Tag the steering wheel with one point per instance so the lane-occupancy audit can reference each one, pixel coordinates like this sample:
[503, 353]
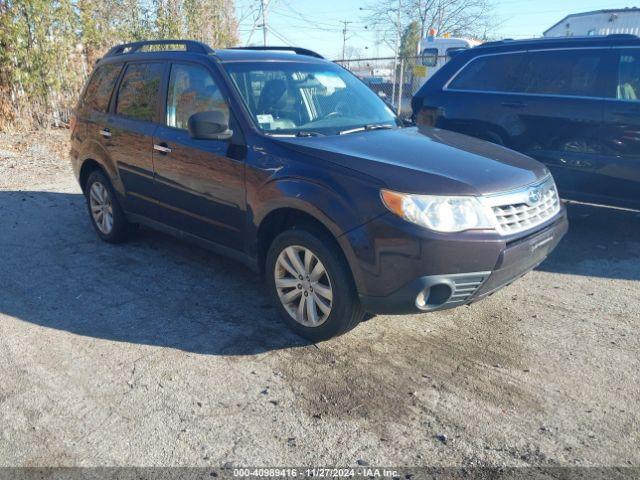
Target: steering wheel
[333, 114]
[342, 109]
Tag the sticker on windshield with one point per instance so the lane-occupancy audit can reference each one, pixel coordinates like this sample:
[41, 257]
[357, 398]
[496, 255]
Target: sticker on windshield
[265, 119]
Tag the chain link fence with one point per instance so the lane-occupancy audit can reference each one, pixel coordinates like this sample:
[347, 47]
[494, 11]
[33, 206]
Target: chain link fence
[393, 79]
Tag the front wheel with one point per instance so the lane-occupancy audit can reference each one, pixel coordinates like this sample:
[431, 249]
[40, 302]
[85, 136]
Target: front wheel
[311, 284]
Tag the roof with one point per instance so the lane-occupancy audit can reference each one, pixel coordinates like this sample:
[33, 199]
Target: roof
[594, 12]
[561, 42]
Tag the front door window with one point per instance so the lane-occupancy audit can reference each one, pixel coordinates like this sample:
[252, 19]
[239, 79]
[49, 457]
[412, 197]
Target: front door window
[192, 90]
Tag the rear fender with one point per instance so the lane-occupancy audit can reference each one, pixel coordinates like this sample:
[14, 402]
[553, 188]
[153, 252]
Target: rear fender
[93, 150]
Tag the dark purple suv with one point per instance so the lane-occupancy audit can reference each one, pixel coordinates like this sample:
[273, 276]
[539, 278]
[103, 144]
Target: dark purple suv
[290, 164]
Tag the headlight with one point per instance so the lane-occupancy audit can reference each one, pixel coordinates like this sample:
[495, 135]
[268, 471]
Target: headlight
[442, 214]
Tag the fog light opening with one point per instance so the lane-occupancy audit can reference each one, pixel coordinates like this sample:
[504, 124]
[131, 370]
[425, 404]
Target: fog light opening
[433, 297]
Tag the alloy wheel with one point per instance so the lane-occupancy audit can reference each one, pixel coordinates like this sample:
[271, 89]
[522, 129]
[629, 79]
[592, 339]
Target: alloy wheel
[101, 207]
[303, 286]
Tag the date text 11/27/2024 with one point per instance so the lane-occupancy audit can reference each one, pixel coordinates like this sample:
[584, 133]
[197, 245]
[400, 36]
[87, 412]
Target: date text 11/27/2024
[360, 472]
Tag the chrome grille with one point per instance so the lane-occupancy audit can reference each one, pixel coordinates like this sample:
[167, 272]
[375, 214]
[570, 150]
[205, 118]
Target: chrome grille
[525, 208]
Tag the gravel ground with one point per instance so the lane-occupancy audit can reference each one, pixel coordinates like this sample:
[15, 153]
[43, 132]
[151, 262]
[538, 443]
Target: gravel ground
[150, 354]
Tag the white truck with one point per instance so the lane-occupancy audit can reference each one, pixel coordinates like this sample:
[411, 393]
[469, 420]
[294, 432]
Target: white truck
[434, 53]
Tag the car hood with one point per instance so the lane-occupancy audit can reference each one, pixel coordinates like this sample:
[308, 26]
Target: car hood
[426, 160]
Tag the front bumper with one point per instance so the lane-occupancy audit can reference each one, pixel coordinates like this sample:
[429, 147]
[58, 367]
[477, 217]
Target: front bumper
[450, 276]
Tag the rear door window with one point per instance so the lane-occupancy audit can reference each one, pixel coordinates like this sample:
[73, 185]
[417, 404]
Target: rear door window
[100, 87]
[563, 72]
[491, 73]
[139, 91]
[628, 87]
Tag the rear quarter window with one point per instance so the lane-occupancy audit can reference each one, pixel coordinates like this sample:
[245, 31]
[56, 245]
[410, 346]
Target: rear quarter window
[491, 73]
[100, 87]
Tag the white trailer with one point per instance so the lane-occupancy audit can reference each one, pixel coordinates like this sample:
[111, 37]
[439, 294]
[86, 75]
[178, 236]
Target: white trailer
[599, 22]
[434, 53]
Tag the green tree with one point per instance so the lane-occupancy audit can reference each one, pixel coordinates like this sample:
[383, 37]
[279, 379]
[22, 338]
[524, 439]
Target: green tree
[410, 40]
[49, 47]
[460, 18]
[169, 17]
[211, 21]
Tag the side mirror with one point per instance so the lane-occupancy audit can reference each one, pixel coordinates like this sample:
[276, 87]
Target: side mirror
[211, 125]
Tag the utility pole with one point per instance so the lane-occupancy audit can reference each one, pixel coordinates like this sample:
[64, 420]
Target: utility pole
[344, 37]
[397, 51]
[265, 5]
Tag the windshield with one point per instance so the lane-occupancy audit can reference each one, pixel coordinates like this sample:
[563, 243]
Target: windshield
[305, 98]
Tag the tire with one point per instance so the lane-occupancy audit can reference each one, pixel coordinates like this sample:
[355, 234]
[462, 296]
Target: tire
[345, 309]
[99, 191]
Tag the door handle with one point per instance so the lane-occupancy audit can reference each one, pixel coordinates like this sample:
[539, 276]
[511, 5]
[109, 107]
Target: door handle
[105, 132]
[163, 148]
[514, 104]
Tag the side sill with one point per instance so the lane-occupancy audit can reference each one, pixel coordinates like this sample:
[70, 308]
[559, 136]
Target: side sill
[241, 257]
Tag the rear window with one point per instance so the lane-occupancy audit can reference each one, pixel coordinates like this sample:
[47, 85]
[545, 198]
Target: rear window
[494, 73]
[138, 95]
[568, 72]
[100, 86]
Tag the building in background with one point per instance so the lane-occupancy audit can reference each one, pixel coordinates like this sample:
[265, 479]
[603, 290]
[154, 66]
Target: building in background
[599, 22]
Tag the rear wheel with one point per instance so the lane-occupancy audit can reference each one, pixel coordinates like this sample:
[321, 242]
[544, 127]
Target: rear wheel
[106, 215]
[311, 284]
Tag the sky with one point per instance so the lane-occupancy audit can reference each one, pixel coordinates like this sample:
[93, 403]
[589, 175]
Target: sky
[316, 24]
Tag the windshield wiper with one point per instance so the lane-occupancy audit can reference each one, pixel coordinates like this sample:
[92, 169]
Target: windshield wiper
[301, 133]
[366, 128]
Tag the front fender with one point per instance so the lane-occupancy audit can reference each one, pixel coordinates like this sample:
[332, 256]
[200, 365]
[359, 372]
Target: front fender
[333, 211]
[338, 212]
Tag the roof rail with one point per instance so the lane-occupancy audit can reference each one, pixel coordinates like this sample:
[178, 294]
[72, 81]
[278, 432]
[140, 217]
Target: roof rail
[189, 45]
[496, 42]
[618, 36]
[623, 36]
[297, 50]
